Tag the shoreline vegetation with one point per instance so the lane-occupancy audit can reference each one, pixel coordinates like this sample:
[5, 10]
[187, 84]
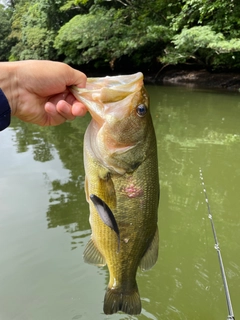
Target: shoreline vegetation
[170, 41]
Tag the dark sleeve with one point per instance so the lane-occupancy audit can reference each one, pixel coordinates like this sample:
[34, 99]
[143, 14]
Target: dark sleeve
[5, 112]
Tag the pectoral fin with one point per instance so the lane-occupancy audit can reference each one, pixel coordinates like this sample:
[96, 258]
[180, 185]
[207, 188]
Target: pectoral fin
[151, 255]
[92, 255]
[105, 214]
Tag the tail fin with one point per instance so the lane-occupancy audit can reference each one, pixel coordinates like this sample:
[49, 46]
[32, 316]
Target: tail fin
[116, 300]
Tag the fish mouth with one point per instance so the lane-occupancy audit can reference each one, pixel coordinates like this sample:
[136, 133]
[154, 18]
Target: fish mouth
[101, 94]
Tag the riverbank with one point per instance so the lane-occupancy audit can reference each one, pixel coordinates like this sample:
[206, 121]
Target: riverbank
[200, 78]
[180, 75]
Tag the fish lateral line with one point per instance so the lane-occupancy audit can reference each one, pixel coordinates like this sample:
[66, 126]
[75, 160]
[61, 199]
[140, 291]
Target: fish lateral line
[106, 215]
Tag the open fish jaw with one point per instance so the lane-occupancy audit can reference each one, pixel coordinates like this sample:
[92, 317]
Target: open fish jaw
[108, 89]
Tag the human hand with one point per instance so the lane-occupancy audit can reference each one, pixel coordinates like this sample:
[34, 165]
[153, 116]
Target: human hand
[38, 91]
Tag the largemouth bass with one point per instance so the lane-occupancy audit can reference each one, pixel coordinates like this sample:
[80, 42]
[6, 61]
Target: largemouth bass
[122, 185]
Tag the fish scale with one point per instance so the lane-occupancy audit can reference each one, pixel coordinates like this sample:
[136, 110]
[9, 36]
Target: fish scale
[122, 185]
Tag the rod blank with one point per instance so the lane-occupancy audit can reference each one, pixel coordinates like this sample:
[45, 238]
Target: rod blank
[217, 247]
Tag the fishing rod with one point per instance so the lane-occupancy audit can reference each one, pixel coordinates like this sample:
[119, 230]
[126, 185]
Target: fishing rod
[217, 247]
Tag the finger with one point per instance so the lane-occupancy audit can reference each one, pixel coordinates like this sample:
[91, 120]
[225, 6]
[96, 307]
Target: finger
[54, 99]
[53, 116]
[65, 109]
[78, 109]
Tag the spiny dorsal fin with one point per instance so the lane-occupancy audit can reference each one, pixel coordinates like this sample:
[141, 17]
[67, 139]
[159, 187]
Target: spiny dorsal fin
[92, 255]
[105, 213]
[151, 255]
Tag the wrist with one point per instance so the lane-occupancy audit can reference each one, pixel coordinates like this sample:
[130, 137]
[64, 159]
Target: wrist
[8, 83]
[5, 112]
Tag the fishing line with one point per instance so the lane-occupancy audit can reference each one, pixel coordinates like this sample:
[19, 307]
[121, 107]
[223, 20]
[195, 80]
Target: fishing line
[217, 247]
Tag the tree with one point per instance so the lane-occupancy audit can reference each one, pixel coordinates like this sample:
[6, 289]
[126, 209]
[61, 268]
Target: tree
[5, 42]
[205, 32]
[204, 46]
[35, 29]
[143, 32]
[108, 34]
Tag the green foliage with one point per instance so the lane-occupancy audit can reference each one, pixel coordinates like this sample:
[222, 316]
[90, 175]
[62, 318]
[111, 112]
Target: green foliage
[76, 5]
[105, 31]
[5, 42]
[35, 28]
[203, 45]
[221, 15]
[106, 35]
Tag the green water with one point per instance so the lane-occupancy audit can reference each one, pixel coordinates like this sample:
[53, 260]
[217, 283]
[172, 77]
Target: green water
[44, 217]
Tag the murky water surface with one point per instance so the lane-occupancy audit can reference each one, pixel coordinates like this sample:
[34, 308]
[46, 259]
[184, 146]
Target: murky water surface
[44, 217]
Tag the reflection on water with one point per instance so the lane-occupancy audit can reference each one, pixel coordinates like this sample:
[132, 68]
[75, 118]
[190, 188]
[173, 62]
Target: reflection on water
[66, 196]
[42, 277]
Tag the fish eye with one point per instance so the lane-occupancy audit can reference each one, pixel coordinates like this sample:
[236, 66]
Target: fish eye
[141, 110]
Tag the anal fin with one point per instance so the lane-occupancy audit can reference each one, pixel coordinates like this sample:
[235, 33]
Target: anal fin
[92, 255]
[151, 255]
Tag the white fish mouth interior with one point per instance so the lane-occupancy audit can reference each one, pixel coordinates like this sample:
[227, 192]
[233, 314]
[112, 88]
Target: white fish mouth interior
[114, 82]
[109, 88]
